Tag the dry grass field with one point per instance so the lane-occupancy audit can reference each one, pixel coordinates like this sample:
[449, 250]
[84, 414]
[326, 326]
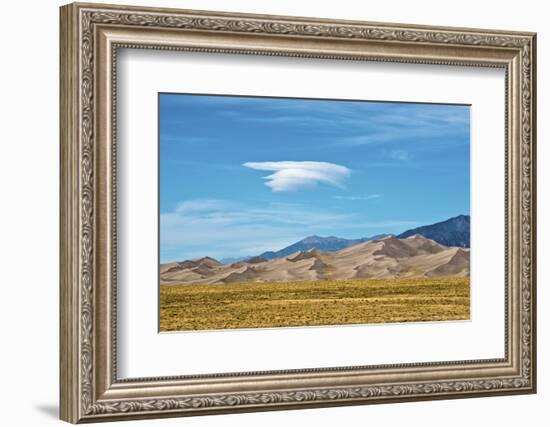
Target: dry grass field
[308, 303]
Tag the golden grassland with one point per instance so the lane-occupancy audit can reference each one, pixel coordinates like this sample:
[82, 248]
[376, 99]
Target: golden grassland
[308, 303]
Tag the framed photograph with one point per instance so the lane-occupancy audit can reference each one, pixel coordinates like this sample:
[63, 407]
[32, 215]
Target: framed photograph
[266, 212]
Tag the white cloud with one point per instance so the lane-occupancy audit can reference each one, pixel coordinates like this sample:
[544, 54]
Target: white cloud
[292, 176]
[400, 155]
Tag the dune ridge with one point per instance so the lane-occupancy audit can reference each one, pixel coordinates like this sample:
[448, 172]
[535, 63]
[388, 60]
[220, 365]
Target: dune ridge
[389, 257]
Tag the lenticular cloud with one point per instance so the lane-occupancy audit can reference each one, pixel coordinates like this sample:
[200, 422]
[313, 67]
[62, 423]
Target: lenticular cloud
[292, 176]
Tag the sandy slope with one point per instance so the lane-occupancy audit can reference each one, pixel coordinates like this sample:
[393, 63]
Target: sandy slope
[414, 256]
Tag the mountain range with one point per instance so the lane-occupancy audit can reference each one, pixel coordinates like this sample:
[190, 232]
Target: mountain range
[325, 244]
[451, 232]
[388, 257]
[440, 249]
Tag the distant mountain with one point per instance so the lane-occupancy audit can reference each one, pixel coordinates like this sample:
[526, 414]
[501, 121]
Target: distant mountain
[325, 244]
[390, 257]
[452, 232]
[231, 260]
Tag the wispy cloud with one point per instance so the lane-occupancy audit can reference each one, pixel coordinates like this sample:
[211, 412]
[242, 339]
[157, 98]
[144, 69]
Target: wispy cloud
[399, 155]
[203, 205]
[224, 228]
[333, 124]
[357, 198]
[423, 127]
[292, 176]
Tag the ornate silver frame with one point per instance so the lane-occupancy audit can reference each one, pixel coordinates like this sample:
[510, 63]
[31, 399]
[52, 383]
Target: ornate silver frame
[90, 36]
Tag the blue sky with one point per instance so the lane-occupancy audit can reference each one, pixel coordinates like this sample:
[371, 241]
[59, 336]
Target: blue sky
[242, 175]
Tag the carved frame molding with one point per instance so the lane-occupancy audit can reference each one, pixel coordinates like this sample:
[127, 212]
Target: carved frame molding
[90, 37]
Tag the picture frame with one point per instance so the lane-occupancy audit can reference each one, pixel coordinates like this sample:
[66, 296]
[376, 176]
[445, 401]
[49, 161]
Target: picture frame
[91, 36]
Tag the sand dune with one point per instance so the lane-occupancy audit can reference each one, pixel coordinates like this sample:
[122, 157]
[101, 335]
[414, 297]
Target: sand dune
[390, 257]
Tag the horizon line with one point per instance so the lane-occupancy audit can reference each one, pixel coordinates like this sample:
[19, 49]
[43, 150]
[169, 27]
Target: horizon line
[221, 259]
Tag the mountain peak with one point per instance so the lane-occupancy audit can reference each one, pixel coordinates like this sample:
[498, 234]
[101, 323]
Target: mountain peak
[319, 239]
[312, 239]
[459, 218]
[454, 231]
